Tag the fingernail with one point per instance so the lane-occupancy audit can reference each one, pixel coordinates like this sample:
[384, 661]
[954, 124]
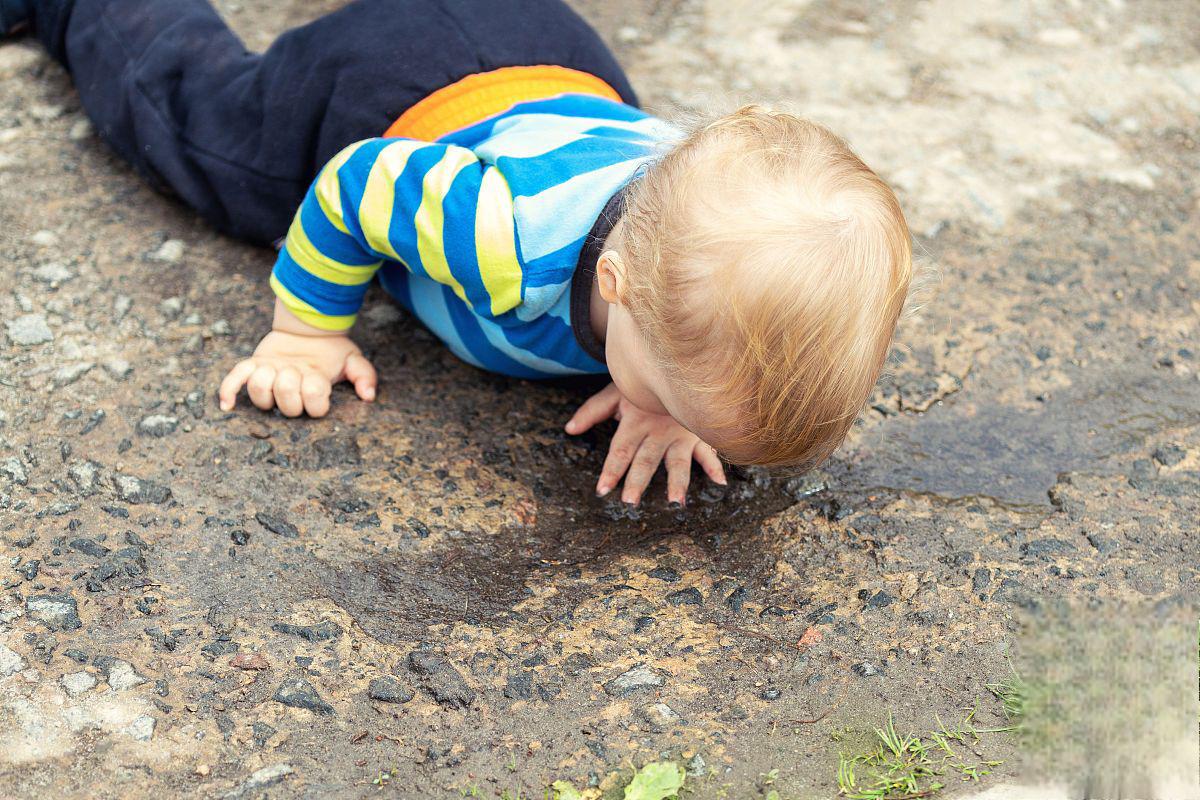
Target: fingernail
[570, 428]
[722, 481]
[602, 490]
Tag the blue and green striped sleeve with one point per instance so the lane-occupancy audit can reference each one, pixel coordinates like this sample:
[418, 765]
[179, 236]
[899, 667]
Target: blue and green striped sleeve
[389, 200]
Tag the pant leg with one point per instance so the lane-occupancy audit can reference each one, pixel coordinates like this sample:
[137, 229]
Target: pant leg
[239, 136]
[236, 135]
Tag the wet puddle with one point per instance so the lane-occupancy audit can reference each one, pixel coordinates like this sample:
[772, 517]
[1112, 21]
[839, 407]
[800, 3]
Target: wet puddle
[967, 449]
[479, 577]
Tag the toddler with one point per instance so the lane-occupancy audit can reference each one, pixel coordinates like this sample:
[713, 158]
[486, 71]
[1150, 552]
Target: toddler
[487, 162]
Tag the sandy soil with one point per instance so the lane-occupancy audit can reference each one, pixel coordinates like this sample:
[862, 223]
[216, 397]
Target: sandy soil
[198, 603]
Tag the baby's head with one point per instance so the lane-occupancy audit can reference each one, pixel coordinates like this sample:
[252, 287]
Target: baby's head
[756, 279]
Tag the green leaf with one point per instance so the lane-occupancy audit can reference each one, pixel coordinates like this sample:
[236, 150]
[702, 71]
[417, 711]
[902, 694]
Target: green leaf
[565, 790]
[656, 781]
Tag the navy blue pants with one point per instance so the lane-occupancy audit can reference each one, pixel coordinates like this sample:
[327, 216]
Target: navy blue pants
[239, 136]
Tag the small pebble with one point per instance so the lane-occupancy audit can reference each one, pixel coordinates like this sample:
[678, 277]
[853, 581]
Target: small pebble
[76, 683]
[117, 368]
[81, 130]
[29, 330]
[170, 252]
[54, 274]
[171, 308]
[66, 375]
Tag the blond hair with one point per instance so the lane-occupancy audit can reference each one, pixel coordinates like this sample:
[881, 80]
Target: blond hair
[768, 269]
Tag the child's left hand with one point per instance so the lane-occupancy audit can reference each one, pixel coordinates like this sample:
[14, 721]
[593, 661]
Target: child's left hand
[642, 441]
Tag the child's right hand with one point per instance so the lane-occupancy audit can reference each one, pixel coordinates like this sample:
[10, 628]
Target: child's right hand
[296, 372]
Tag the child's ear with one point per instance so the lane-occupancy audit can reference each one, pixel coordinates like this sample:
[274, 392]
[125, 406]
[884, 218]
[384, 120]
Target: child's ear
[610, 276]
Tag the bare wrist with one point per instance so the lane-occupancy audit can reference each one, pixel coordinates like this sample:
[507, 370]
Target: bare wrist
[287, 322]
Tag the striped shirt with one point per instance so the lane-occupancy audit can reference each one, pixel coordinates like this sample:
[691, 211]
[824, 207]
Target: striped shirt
[478, 234]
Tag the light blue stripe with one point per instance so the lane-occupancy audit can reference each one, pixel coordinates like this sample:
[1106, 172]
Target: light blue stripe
[495, 336]
[540, 299]
[554, 218]
[510, 135]
[562, 307]
[429, 304]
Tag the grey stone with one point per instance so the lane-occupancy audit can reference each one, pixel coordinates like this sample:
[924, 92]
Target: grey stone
[636, 679]
[194, 400]
[66, 375]
[865, 669]
[981, 579]
[664, 574]
[85, 475]
[299, 693]
[58, 612]
[170, 252]
[1105, 545]
[450, 689]
[81, 130]
[16, 58]
[117, 368]
[10, 661]
[519, 685]
[259, 780]
[142, 728]
[880, 599]
[45, 112]
[389, 690]
[336, 451]
[157, 425]
[119, 673]
[443, 682]
[14, 469]
[696, 766]
[53, 273]
[806, 485]
[89, 547]
[321, 632]
[425, 663]
[277, 525]
[686, 597]
[659, 717]
[135, 490]
[29, 330]
[76, 683]
[1169, 454]
[121, 306]
[222, 620]
[171, 308]
[1048, 546]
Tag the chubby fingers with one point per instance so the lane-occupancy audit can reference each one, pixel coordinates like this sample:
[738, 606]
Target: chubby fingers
[233, 383]
[595, 410]
[679, 469]
[710, 462]
[641, 470]
[314, 392]
[287, 392]
[360, 372]
[261, 386]
[621, 450]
